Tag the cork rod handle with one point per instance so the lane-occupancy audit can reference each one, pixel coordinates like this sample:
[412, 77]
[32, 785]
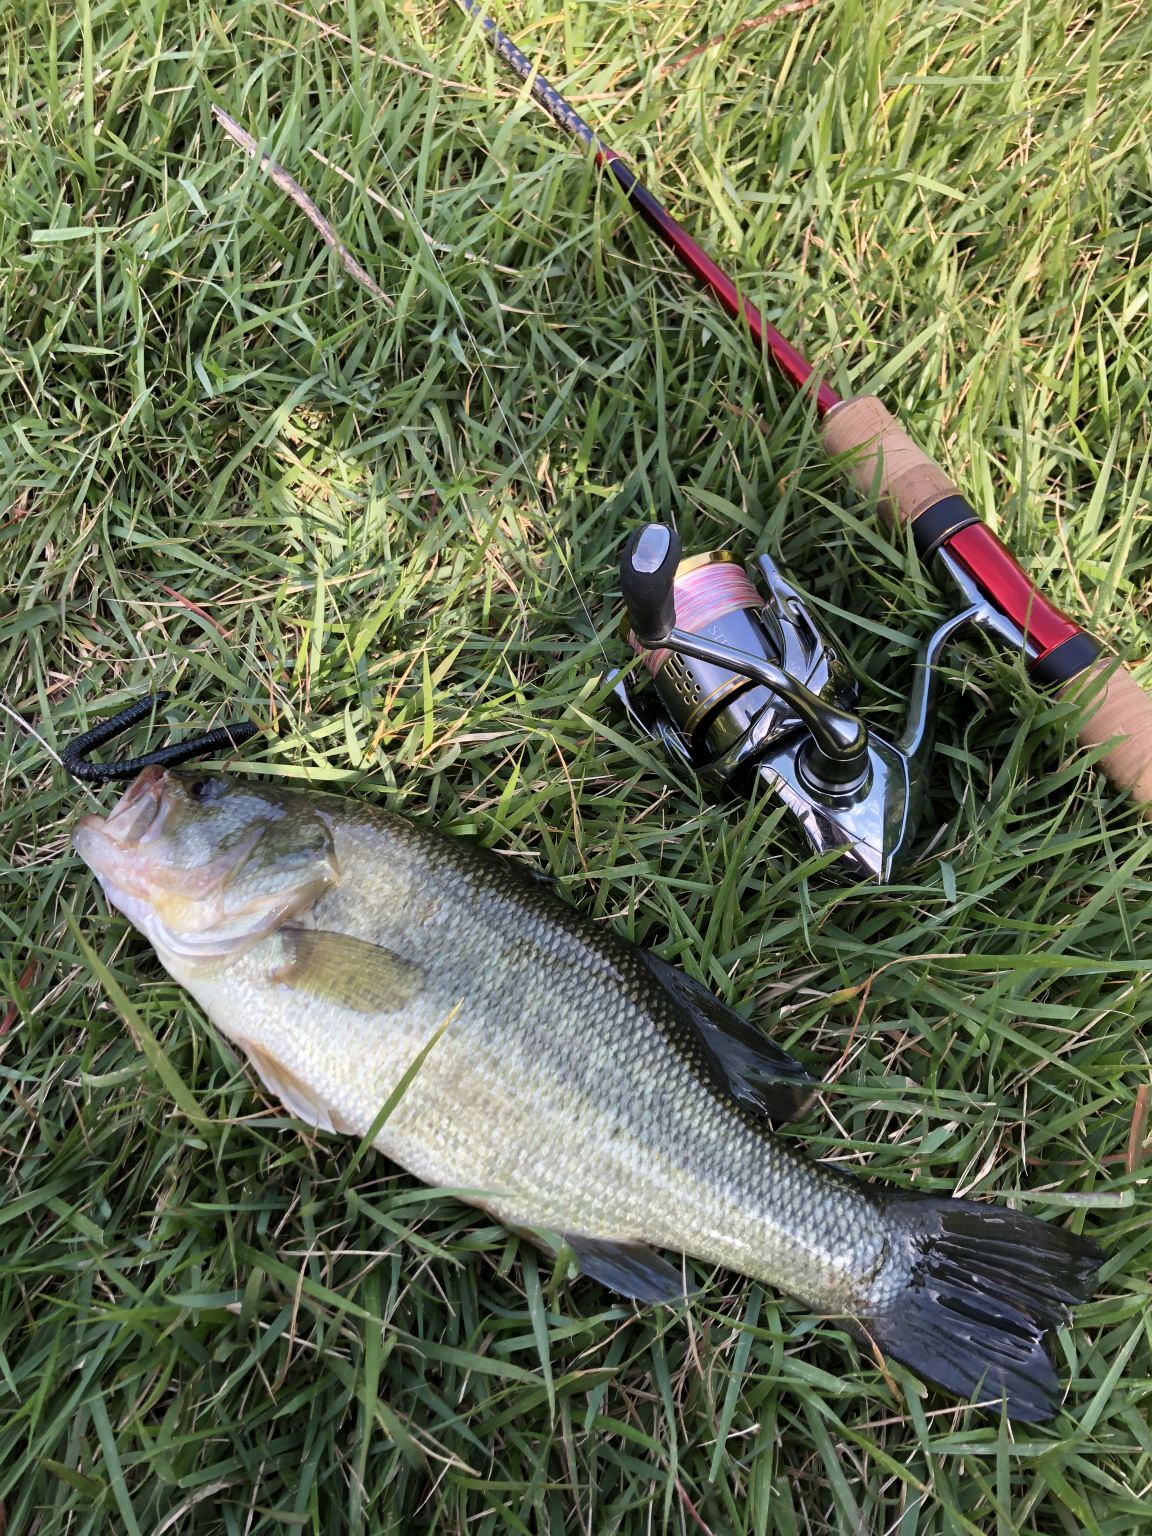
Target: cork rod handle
[1117, 709]
[888, 467]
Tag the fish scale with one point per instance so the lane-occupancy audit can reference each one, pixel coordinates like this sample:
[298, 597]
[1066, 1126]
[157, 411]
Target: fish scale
[573, 1085]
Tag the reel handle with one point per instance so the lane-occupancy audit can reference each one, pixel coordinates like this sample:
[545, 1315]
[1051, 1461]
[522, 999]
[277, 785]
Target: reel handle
[647, 571]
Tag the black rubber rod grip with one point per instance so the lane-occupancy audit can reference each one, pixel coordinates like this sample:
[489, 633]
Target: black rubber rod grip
[647, 571]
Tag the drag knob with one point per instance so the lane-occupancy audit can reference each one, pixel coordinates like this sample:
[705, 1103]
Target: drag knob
[647, 571]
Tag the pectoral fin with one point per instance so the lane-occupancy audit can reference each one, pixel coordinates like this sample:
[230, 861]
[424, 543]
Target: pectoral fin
[629, 1269]
[754, 1071]
[334, 967]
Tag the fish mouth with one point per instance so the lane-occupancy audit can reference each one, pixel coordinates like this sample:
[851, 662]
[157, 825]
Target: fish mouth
[135, 811]
[126, 852]
[137, 817]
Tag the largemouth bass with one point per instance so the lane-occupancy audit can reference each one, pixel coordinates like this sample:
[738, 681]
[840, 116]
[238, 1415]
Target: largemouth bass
[581, 1087]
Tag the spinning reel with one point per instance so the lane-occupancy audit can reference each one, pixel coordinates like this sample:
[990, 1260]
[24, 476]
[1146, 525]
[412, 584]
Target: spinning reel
[745, 685]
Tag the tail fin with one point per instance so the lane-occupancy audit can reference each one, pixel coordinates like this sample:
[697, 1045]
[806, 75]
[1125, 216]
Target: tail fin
[985, 1286]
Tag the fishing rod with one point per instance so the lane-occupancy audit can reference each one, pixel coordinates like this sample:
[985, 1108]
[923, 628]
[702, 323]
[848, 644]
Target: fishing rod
[746, 683]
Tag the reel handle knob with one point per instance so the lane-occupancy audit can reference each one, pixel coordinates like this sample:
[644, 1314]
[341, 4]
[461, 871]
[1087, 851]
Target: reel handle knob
[647, 571]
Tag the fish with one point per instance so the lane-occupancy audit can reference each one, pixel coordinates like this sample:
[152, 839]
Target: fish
[574, 1085]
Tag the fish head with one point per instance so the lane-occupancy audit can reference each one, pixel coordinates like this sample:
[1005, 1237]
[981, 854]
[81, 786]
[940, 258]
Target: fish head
[206, 865]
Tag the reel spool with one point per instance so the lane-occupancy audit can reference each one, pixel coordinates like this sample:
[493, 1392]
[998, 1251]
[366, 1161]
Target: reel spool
[713, 708]
[745, 686]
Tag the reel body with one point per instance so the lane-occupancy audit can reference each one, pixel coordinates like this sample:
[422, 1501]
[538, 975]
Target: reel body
[746, 688]
[719, 716]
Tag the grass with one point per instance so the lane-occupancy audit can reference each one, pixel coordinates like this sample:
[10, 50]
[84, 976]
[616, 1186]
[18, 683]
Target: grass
[389, 535]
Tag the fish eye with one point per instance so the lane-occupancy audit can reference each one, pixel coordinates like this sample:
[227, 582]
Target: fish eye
[204, 789]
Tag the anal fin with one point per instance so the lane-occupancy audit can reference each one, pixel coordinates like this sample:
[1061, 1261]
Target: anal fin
[629, 1269]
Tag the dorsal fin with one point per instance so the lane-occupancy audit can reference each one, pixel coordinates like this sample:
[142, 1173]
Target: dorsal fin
[757, 1074]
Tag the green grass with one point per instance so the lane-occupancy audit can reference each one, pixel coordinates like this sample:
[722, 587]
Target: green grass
[390, 535]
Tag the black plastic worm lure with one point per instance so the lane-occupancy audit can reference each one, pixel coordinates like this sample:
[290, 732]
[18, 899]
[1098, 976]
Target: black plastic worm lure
[77, 756]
